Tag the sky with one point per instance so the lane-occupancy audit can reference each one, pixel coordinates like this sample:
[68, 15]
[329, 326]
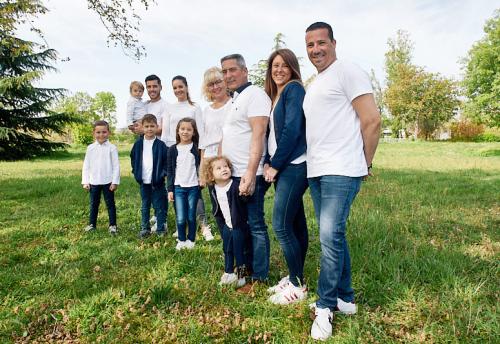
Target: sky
[187, 37]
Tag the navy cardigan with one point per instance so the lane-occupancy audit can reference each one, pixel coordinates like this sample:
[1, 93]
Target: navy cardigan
[172, 164]
[237, 207]
[159, 161]
[289, 126]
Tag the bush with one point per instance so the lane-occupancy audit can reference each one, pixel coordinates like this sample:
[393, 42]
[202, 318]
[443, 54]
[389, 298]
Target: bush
[487, 137]
[465, 130]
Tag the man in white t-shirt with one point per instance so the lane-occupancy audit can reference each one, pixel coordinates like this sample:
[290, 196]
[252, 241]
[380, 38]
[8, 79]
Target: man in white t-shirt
[156, 105]
[243, 142]
[342, 131]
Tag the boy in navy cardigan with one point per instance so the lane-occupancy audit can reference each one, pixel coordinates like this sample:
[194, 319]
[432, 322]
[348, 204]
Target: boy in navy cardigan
[149, 167]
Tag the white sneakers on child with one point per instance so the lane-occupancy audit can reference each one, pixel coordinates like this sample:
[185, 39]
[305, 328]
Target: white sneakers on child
[181, 245]
[113, 230]
[207, 232]
[175, 234]
[346, 308]
[321, 328]
[280, 286]
[232, 278]
[288, 295]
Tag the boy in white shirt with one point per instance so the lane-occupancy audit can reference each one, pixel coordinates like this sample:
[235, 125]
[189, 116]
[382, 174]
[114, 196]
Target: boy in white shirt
[136, 108]
[101, 174]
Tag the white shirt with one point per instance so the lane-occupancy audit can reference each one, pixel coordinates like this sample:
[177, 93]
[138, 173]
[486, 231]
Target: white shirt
[185, 171]
[147, 161]
[236, 131]
[176, 112]
[212, 122]
[221, 192]
[101, 165]
[272, 145]
[333, 133]
[136, 109]
[157, 108]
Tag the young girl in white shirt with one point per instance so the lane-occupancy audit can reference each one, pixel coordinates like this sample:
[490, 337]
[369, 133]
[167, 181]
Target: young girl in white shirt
[183, 182]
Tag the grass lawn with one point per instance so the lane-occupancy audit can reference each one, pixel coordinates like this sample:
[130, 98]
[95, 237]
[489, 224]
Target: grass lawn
[424, 238]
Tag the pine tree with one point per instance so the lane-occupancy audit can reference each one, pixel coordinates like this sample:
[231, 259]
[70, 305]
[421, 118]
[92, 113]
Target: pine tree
[26, 118]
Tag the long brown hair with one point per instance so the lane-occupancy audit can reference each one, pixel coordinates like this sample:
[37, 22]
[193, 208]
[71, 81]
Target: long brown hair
[293, 63]
[196, 136]
[184, 81]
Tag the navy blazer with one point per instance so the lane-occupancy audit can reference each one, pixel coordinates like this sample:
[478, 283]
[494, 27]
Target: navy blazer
[159, 161]
[237, 207]
[289, 126]
[172, 164]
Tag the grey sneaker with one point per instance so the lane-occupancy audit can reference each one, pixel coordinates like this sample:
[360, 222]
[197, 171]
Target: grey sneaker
[144, 233]
[113, 230]
[89, 228]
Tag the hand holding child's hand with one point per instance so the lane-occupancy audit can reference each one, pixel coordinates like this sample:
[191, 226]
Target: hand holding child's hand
[86, 186]
[113, 187]
[170, 196]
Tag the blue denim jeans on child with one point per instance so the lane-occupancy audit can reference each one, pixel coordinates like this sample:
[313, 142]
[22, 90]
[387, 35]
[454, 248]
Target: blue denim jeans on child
[289, 220]
[185, 208]
[95, 200]
[157, 197]
[332, 197]
[233, 245]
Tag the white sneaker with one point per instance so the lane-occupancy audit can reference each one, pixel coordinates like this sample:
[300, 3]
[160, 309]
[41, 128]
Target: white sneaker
[280, 286]
[228, 278]
[207, 233]
[175, 234]
[180, 245]
[290, 294]
[189, 244]
[321, 328]
[152, 220]
[347, 308]
[89, 228]
[154, 228]
[113, 230]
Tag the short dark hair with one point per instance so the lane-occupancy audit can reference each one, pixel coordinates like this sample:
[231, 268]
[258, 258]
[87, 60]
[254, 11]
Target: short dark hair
[100, 123]
[149, 118]
[238, 57]
[321, 25]
[153, 77]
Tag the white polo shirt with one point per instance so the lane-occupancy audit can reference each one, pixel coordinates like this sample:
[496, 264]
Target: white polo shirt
[236, 131]
[333, 133]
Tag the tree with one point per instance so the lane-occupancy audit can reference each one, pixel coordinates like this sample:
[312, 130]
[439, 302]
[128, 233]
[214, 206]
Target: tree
[481, 82]
[26, 120]
[104, 105]
[258, 72]
[417, 100]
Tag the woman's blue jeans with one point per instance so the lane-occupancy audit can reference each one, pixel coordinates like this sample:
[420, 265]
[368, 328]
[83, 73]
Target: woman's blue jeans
[332, 197]
[289, 220]
[186, 199]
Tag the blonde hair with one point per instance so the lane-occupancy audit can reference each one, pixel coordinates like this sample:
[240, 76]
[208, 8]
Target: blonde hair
[136, 83]
[211, 74]
[207, 168]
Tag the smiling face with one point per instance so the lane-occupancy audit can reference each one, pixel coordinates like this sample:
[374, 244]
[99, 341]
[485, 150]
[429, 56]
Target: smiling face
[320, 49]
[154, 88]
[185, 132]
[221, 171]
[101, 133]
[280, 72]
[180, 90]
[234, 75]
[217, 89]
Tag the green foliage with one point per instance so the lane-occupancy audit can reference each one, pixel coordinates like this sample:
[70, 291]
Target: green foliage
[26, 118]
[104, 105]
[482, 76]
[416, 99]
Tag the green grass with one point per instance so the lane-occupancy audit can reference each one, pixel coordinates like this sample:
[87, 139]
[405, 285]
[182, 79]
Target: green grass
[424, 238]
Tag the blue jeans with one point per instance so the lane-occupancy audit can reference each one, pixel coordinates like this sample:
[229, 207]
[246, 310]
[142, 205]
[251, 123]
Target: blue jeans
[259, 251]
[95, 200]
[332, 197]
[233, 245]
[185, 209]
[289, 219]
[157, 196]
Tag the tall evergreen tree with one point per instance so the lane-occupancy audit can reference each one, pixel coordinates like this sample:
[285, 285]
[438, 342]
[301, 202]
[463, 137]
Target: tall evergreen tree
[26, 118]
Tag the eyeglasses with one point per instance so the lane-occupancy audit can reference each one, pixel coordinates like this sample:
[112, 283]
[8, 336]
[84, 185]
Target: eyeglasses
[214, 83]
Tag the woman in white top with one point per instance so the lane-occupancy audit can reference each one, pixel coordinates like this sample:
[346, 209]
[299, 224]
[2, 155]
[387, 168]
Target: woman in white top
[184, 108]
[215, 91]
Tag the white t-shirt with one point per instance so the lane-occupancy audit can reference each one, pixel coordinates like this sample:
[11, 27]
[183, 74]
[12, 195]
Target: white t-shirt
[176, 112]
[147, 161]
[237, 133]
[333, 133]
[136, 109]
[158, 108]
[185, 171]
[221, 193]
[213, 120]
[272, 145]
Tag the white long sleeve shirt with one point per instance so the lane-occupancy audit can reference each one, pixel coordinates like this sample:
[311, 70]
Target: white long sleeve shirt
[136, 109]
[101, 165]
[176, 112]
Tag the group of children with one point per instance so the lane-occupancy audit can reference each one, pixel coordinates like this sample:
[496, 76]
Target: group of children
[152, 164]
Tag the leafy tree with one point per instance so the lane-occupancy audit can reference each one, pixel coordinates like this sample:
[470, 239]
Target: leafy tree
[417, 100]
[26, 118]
[104, 105]
[482, 76]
